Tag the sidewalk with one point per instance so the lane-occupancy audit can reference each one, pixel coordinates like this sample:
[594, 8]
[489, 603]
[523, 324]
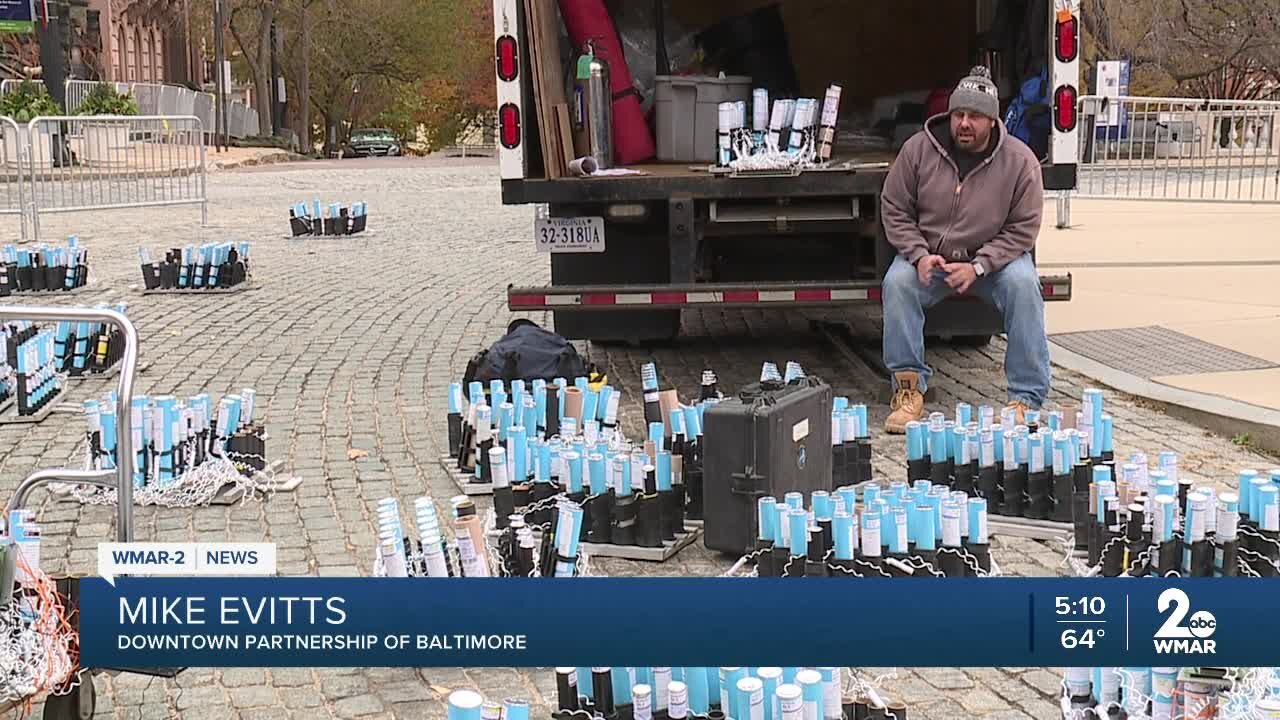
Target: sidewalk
[154, 160]
[237, 157]
[1179, 302]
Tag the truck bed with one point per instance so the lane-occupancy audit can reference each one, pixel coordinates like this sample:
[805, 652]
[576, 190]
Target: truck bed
[853, 174]
[839, 164]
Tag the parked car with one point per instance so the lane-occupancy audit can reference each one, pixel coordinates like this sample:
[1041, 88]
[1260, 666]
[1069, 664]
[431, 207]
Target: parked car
[369, 142]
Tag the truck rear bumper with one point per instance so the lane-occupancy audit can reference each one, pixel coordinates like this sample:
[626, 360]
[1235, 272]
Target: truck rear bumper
[750, 295]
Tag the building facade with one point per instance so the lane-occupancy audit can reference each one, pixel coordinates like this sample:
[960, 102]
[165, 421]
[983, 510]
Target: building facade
[142, 41]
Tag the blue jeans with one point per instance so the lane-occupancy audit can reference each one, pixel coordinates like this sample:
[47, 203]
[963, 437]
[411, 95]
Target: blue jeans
[1014, 290]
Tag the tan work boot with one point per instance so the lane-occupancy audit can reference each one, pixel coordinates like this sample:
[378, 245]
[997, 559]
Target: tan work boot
[907, 403]
[1020, 411]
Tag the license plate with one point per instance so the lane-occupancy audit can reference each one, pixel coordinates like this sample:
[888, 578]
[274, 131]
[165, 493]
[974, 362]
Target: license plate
[569, 235]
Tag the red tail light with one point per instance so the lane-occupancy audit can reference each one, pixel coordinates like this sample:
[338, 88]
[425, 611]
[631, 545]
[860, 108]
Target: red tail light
[1064, 108]
[508, 62]
[1067, 40]
[509, 125]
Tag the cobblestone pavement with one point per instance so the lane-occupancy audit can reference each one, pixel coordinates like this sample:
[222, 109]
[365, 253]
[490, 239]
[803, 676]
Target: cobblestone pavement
[350, 344]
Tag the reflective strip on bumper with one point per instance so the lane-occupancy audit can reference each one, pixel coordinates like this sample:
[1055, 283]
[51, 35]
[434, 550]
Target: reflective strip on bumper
[776, 296]
[1053, 288]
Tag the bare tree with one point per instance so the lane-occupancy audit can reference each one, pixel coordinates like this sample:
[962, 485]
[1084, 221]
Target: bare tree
[356, 48]
[1218, 48]
[342, 54]
[303, 13]
[18, 51]
[256, 16]
[1207, 48]
[1119, 30]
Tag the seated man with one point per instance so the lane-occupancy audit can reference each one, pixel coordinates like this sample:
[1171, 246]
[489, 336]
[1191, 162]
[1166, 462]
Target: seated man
[962, 206]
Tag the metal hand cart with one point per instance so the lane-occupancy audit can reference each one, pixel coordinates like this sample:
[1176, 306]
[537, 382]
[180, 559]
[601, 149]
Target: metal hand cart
[80, 702]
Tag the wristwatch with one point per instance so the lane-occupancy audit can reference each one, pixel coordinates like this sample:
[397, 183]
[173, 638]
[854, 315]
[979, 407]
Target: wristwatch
[979, 270]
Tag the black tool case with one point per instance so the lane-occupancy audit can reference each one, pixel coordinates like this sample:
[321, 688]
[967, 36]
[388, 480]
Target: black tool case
[769, 440]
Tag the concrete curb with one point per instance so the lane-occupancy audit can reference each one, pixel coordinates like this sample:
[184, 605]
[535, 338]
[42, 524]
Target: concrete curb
[1221, 415]
[268, 158]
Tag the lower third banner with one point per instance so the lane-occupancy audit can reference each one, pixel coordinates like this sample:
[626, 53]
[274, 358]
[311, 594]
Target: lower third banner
[264, 622]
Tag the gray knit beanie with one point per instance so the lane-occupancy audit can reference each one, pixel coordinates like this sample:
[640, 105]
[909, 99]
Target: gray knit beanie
[976, 93]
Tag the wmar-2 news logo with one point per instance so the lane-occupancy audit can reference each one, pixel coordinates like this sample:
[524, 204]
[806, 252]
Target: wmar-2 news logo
[1176, 638]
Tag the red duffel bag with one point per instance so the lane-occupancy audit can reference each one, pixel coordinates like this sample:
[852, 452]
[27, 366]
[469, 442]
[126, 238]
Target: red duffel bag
[589, 20]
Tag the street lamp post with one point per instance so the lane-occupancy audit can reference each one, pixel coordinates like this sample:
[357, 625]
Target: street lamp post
[220, 121]
[277, 80]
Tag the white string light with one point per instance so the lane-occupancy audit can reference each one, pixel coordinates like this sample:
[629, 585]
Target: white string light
[35, 642]
[194, 488]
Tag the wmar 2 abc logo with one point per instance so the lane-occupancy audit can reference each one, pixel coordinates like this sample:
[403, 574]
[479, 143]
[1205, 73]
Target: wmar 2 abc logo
[1191, 638]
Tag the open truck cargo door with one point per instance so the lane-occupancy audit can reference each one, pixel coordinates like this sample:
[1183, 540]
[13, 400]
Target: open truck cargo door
[629, 250]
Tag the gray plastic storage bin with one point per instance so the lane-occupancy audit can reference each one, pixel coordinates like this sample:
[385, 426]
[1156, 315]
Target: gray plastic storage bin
[687, 110]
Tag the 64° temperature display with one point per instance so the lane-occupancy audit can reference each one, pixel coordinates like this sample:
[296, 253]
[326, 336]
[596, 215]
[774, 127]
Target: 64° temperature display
[1082, 621]
[1086, 637]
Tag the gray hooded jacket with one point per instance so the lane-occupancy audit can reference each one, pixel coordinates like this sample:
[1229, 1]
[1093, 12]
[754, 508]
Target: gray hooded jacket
[991, 217]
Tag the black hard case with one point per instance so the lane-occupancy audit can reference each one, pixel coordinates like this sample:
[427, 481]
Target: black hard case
[766, 441]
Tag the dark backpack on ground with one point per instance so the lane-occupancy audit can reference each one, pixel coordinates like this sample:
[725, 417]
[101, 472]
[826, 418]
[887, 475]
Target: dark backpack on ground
[527, 352]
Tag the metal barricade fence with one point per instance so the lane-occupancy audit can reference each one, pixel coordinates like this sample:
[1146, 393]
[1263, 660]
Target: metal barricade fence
[204, 109]
[1179, 149]
[169, 100]
[75, 93]
[185, 103]
[13, 147]
[148, 97]
[83, 163]
[157, 99]
[236, 117]
[121, 477]
[152, 98]
[245, 130]
[250, 122]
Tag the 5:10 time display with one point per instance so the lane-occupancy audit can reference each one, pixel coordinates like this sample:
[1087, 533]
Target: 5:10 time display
[1079, 606]
[1084, 625]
